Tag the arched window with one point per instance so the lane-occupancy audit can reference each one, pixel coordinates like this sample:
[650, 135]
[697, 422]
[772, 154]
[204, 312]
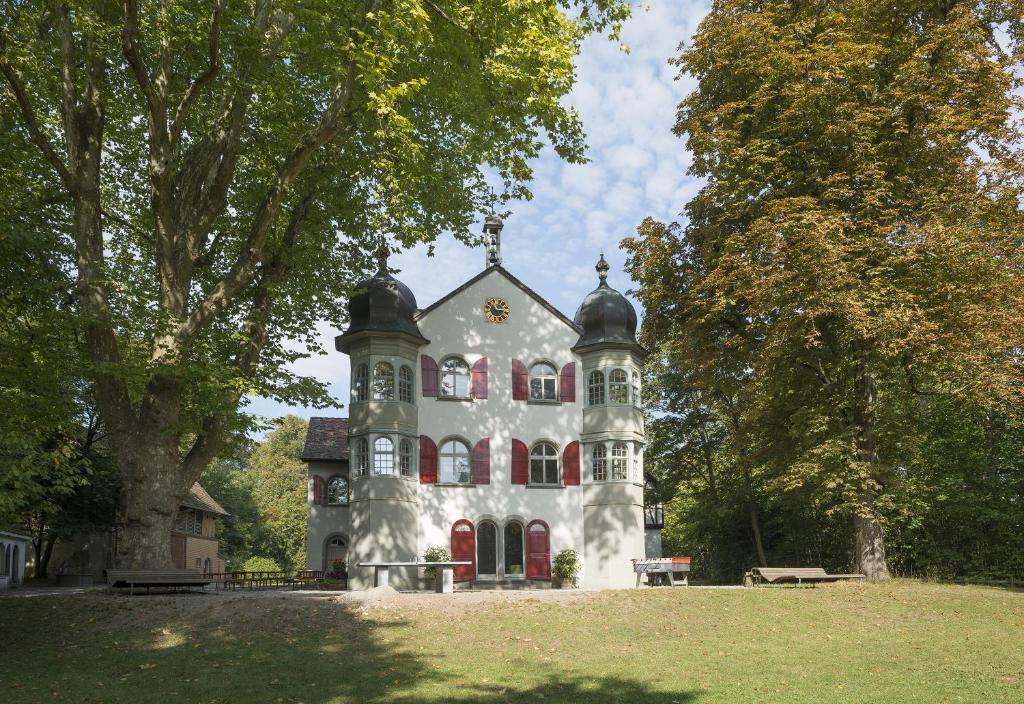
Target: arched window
[454, 377]
[362, 450]
[405, 384]
[599, 462]
[618, 386]
[359, 383]
[636, 389]
[543, 380]
[543, 464]
[595, 388]
[620, 462]
[337, 491]
[405, 458]
[383, 456]
[455, 466]
[383, 382]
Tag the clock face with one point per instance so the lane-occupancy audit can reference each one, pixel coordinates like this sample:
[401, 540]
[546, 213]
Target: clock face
[496, 310]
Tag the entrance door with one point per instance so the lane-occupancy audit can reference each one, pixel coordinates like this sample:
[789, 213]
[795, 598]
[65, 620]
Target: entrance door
[514, 550]
[538, 551]
[487, 550]
[464, 549]
[337, 549]
[178, 551]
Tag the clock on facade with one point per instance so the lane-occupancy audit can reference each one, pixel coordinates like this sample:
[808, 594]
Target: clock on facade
[496, 310]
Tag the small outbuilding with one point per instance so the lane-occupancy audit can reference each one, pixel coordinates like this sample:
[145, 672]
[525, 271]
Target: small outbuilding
[13, 552]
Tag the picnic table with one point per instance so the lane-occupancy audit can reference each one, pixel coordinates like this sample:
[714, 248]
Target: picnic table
[662, 567]
[156, 578]
[444, 582]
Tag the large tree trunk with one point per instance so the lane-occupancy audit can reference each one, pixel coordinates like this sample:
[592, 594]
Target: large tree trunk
[755, 520]
[869, 543]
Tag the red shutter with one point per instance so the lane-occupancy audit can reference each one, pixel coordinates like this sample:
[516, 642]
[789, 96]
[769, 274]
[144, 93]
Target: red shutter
[571, 464]
[567, 383]
[428, 372]
[428, 461]
[538, 551]
[520, 381]
[520, 462]
[480, 378]
[319, 490]
[482, 462]
[464, 549]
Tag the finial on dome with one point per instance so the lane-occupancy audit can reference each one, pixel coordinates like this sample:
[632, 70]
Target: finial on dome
[602, 269]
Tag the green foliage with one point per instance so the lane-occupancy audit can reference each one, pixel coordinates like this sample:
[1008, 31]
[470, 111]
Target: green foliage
[566, 564]
[435, 553]
[240, 533]
[846, 293]
[279, 485]
[259, 564]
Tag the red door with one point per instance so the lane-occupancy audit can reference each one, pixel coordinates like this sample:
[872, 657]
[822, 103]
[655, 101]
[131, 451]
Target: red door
[538, 550]
[464, 549]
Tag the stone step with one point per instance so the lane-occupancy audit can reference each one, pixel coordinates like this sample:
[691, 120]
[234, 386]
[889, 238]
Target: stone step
[502, 585]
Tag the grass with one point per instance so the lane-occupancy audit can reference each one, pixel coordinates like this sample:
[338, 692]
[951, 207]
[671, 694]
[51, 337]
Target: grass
[899, 642]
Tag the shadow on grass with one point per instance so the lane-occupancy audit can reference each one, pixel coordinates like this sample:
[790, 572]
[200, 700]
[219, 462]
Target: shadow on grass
[273, 648]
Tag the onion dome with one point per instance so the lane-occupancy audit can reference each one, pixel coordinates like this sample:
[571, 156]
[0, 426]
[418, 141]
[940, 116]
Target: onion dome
[380, 304]
[606, 316]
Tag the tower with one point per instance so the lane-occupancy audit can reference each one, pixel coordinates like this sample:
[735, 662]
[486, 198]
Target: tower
[613, 435]
[383, 343]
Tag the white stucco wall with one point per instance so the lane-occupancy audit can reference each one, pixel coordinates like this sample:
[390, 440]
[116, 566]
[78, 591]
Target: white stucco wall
[324, 522]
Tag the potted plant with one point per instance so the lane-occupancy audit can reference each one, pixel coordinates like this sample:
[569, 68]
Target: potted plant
[336, 578]
[564, 569]
[435, 553]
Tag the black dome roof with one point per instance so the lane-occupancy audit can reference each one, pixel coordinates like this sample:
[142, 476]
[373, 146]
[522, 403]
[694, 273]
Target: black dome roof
[381, 303]
[606, 316]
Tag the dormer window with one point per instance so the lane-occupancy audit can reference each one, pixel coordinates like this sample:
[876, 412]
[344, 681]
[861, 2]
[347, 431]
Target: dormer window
[543, 382]
[454, 378]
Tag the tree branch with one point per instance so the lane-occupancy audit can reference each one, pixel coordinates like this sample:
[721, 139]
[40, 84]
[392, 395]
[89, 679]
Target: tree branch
[201, 80]
[130, 47]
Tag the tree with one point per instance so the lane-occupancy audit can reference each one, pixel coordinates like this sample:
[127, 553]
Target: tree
[228, 170]
[858, 239]
[280, 491]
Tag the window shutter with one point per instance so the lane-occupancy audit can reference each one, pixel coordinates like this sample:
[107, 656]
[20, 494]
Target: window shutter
[571, 464]
[480, 378]
[319, 490]
[567, 383]
[520, 462]
[428, 372]
[520, 381]
[482, 462]
[428, 461]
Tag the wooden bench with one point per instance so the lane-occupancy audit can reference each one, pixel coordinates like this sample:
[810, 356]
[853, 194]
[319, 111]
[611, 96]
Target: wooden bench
[793, 575]
[443, 584]
[155, 578]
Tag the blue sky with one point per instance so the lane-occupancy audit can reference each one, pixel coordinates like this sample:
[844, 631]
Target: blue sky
[637, 168]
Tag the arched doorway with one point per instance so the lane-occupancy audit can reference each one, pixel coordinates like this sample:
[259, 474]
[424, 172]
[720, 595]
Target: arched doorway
[336, 548]
[538, 550]
[464, 550]
[487, 550]
[515, 551]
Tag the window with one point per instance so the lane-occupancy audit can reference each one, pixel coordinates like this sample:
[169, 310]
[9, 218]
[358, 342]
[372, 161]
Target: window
[618, 386]
[636, 389]
[595, 389]
[542, 382]
[189, 521]
[543, 464]
[337, 491]
[405, 384]
[383, 382]
[383, 456]
[599, 463]
[359, 384]
[405, 457]
[454, 462]
[361, 451]
[620, 462]
[454, 377]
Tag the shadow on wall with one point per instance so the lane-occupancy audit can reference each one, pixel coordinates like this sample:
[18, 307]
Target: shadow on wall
[271, 648]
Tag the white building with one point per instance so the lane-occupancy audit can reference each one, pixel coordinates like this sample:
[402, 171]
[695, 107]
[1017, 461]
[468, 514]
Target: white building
[489, 423]
[13, 554]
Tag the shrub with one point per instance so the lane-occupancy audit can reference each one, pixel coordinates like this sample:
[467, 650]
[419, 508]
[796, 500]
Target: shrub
[435, 553]
[566, 565]
[338, 571]
[259, 564]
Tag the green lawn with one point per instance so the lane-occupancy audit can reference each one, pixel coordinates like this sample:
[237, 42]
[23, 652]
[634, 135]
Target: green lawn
[902, 642]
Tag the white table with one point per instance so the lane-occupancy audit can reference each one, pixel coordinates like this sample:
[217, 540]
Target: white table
[444, 582]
